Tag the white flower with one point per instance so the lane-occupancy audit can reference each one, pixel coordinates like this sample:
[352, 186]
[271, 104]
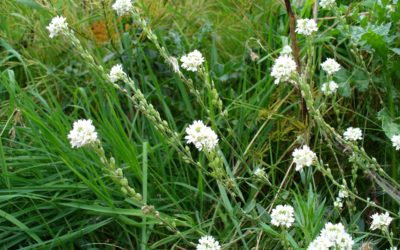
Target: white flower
[329, 88]
[203, 137]
[282, 216]
[303, 157]
[331, 231]
[320, 243]
[116, 73]
[83, 133]
[330, 66]
[57, 26]
[344, 241]
[380, 221]
[327, 4]
[338, 203]
[396, 141]
[352, 134]
[306, 27]
[343, 193]
[122, 7]
[254, 56]
[390, 8]
[332, 236]
[192, 61]
[174, 63]
[284, 67]
[286, 50]
[208, 243]
[259, 172]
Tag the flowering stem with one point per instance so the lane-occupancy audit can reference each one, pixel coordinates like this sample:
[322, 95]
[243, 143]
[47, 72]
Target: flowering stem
[328, 173]
[116, 174]
[284, 239]
[388, 236]
[138, 100]
[167, 57]
[370, 165]
[144, 193]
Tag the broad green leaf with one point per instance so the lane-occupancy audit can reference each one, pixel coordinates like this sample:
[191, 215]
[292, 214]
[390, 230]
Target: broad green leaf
[388, 125]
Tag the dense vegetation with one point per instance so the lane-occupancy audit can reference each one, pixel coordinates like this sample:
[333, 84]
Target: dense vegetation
[141, 185]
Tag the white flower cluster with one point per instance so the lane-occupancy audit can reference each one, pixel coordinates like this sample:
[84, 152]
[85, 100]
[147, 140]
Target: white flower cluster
[282, 215]
[329, 88]
[303, 157]
[330, 66]
[380, 221]
[203, 137]
[332, 236]
[192, 61]
[352, 134]
[283, 68]
[259, 173]
[343, 194]
[116, 73]
[327, 4]
[306, 27]
[396, 141]
[58, 25]
[83, 133]
[208, 243]
[122, 7]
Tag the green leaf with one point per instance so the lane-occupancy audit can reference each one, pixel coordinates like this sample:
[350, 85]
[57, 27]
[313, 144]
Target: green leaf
[396, 50]
[342, 78]
[269, 230]
[21, 226]
[388, 125]
[360, 79]
[376, 42]
[32, 4]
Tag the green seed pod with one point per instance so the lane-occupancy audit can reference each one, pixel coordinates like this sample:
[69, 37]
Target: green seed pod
[124, 182]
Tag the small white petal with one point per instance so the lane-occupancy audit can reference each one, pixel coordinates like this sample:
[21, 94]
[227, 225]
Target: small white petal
[303, 157]
[282, 215]
[352, 134]
[283, 68]
[396, 141]
[192, 61]
[327, 4]
[380, 221]
[329, 88]
[116, 73]
[330, 66]
[83, 133]
[201, 136]
[122, 7]
[306, 27]
[208, 243]
[58, 25]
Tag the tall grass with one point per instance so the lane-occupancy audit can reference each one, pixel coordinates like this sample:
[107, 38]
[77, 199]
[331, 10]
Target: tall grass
[56, 197]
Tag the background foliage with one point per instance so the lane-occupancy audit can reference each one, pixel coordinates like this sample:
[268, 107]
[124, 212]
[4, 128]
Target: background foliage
[55, 197]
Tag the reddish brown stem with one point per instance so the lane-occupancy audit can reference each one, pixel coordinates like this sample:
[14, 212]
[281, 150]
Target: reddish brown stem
[292, 27]
[296, 51]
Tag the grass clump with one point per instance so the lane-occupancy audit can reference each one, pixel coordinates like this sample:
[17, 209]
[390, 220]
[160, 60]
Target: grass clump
[199, 125]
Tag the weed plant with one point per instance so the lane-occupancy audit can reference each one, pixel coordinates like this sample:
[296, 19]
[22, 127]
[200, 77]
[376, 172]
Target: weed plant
[199, 124]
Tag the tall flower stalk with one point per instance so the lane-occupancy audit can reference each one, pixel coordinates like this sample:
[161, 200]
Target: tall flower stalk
[170, 60]
[138, 99]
